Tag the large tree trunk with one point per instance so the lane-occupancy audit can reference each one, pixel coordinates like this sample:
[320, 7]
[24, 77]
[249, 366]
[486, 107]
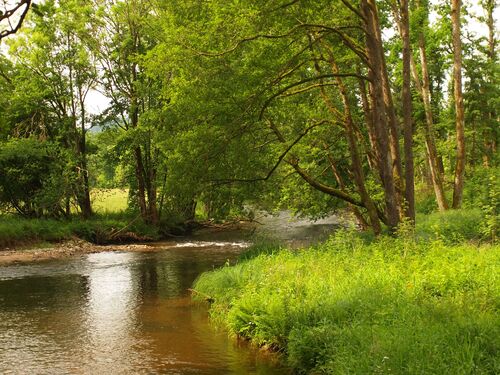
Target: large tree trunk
[407, 114]
[374, 51]
[357, 167]
[350, 131]
[141, 186]
[151, 191]
[372, 160]
[397, 169]
[423, 87]
[459, 105]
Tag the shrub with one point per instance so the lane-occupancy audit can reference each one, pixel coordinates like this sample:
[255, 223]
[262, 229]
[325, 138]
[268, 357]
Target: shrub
[32, 178]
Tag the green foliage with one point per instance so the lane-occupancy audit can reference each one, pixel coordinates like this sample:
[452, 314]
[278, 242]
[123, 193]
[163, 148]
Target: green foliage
[391, 306]
[15, 230]
[32, 177]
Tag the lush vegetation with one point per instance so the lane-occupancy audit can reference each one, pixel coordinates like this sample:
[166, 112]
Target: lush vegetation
[358, 306]
[308, 106]
[101, 229]
[386, 109]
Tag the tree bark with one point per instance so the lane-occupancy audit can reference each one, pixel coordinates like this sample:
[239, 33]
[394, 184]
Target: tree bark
[139, 165]
[374, 51]
[489, 6]
[85, 204]
[423, 87]
[357, 167]
[407, 114]
[459, 104]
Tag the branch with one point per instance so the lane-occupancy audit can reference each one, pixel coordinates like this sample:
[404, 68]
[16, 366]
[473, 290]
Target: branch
[276, 165]
[310, 87]
[322, 187]
[305, 80]
[10, 13]
[353, 9]
[336, 30]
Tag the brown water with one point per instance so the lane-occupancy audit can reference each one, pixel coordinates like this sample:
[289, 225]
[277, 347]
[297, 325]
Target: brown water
[130, 312]
[119, 313]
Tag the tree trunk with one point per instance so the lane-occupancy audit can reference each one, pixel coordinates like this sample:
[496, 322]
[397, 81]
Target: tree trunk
[397, 169]
[152, 199]
[490, 141]
[374, 51]
[372, 160]
[490, 22]
[139, 166]
[357, 167]
[459, 105]
[407, 114]
[141, 189]
[85, 204]
[423, 87]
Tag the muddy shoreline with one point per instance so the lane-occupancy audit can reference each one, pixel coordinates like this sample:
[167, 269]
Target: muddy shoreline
[32, 252]
[65, 249]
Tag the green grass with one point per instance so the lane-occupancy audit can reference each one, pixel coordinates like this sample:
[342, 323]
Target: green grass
[100, 229]
[109, 200]
[392, 306]
[453, 226]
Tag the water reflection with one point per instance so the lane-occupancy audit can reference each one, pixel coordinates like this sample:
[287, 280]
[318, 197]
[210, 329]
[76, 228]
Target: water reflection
[110, 318]
[120, 313]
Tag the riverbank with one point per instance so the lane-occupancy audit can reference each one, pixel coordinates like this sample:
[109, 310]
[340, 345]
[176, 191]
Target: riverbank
[27, 240]
[355, 305]
[74, 247]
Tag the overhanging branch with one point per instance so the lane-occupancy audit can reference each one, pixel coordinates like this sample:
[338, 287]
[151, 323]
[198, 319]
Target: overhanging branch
[11, 12]
[305, 80]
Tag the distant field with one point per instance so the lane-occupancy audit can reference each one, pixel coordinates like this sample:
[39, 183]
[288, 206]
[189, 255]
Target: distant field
[109, 200]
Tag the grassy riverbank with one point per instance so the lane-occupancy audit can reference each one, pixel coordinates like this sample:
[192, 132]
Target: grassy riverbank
[119, 227]
[358, 306]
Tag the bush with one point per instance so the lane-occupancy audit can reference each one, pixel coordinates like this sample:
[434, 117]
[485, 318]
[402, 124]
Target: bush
[32, 178]
[393, 306]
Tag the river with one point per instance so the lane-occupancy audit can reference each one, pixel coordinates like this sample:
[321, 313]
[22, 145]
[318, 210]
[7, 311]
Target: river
[124, 313]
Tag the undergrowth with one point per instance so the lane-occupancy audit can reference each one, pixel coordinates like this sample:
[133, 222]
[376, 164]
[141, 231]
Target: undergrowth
[392, 306]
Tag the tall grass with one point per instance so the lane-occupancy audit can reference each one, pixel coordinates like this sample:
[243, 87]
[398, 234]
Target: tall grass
[347, 307]
[453, 226]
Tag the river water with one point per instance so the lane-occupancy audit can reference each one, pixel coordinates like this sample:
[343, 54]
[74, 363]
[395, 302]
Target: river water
[122, 313]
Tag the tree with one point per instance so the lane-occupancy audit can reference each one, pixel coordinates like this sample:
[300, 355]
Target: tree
[333, 62]
[32, 177]
[62, 73]
[459, 104]
[407, 111]
[123, 38]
